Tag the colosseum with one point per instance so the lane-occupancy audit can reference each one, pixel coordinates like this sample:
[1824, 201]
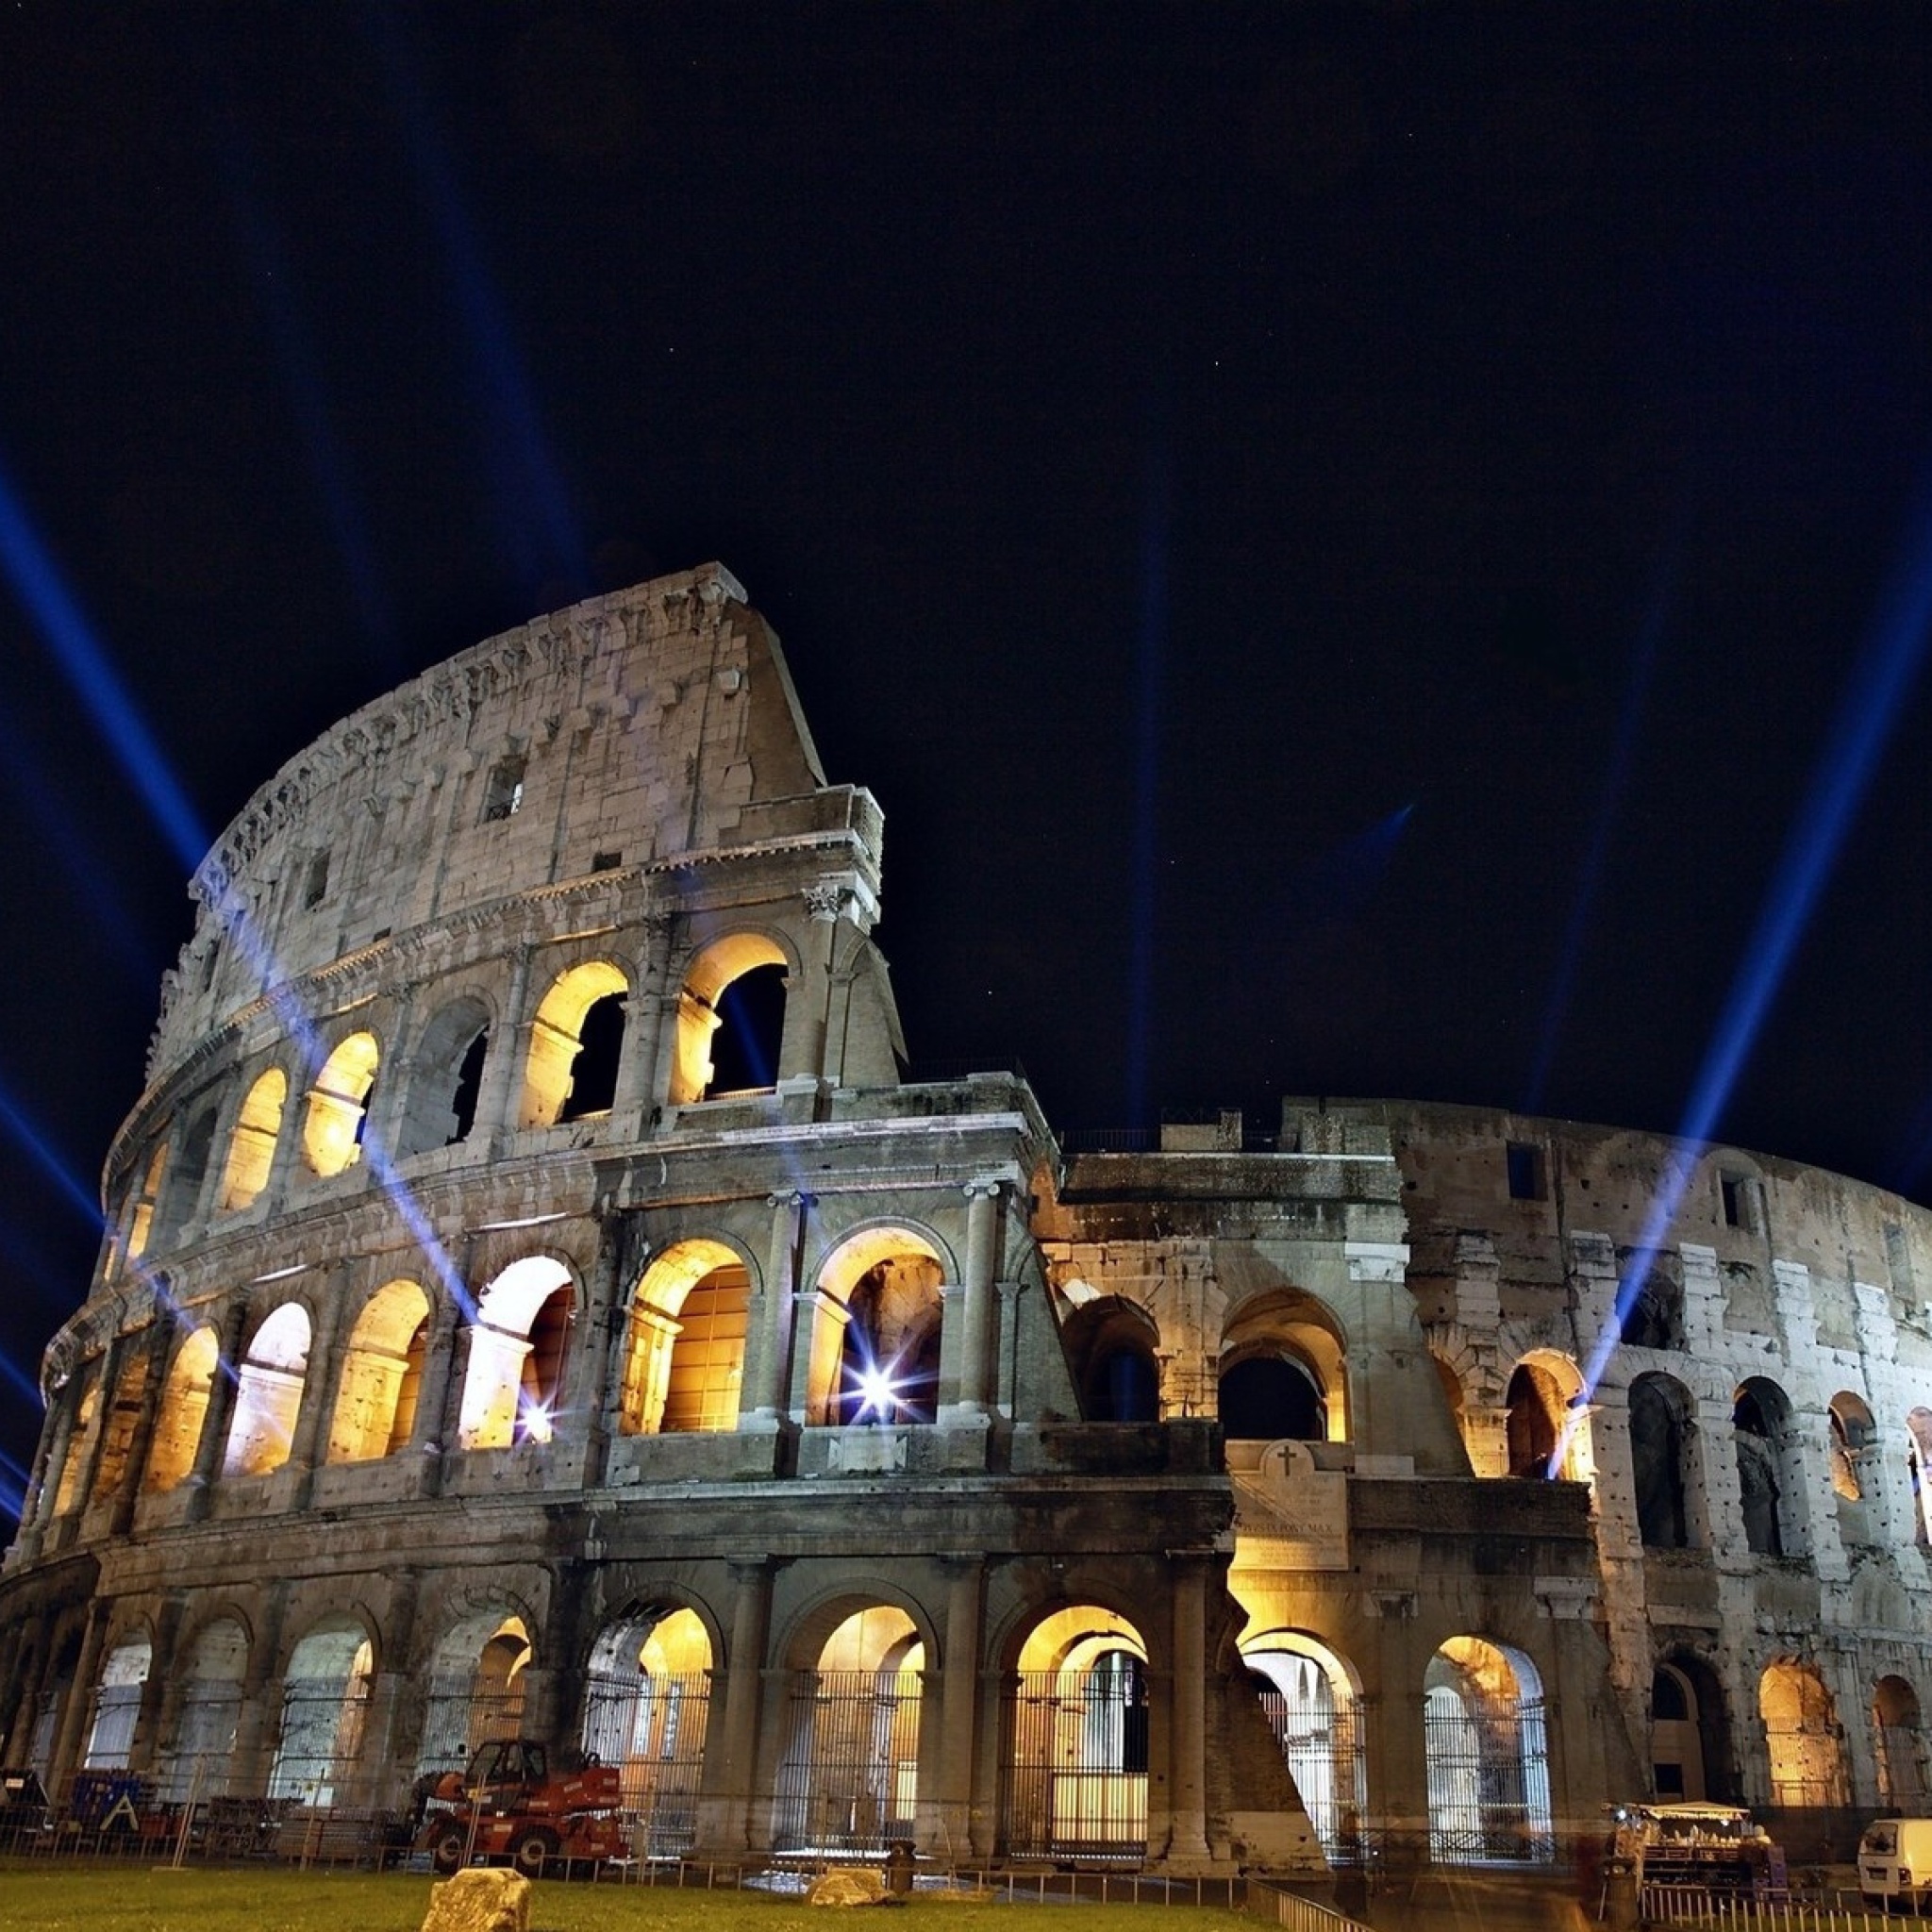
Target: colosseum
[536, 1302]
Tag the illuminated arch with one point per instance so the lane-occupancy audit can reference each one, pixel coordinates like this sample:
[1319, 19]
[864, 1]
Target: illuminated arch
[183, 1408]
[645, 1710]
[1075, 1783]
[475, 1689]
[200, 1754]
[684, 1351]
[117, 1704]
[1801, 1736]
[1548, 1419]
[324, 1700]
[252, 1146]
[1899, 1738]
[1282, 1372]
[1486, 1756]
[269, 1394]
[700, 1010]
[1312, 1700]
[338, 1105]
[517, 1348]
[382, 1369]
[1852, 1435]
[558, 1086]
[849, 1775]
[876, 1329]
[1113, 1346]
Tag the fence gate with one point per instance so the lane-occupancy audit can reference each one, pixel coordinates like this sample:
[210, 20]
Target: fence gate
[653, 1729]
[1077, 1786]
[1489, 1782]
[850, 1778]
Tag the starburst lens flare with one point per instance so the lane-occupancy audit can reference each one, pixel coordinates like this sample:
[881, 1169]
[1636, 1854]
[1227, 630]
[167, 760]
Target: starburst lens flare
[877, 1390]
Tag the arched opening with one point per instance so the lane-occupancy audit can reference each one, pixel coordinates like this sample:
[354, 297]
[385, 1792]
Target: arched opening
[1111, 1344]
[646, 1709]
[1312, 1704]
[84, 1392]
[1760, 1423]
[187, 1177]
[684, 1354]
[1487, 1754]
[324, 1699]
[1918, 1460]
[751, 1025]
[382, 1369]
[252, 1149]
[338, 1105]
[119, 1425]
[1281, 1374]
[1898, 1735]
[1800, 1734]
[1080, 1726]
[268, 1394]
[518, 1345]
[1654, 1316]
[572, 1071]
[476, 1690]
[200, 1758]
[1852, 1435]
[140, 1211]
[1659, 1456]
[849, 1778]
[183, 1408]
[445, 1077]
[1548, 1425]
[117, 1704]
[875, 1331]
[1691, 1756]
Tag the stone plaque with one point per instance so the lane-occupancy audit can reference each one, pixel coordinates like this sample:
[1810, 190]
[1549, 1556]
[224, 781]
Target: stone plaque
[1290, 1515]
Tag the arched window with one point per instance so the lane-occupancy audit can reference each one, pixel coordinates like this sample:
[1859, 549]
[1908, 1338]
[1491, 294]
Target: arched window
[1807, 1767]
[849, 1777]
[1080, 1726]
[120, 1424]
[1487, 1754]
[140, 1214]
[1653, 1315]
[1281, 1373]
[646, 1707]
[518, 1346]
[268, 1394]
[186, 1176]
[252, 1149]
[684, 1359]
[875, 1332]
[1760, 1422]
[1659, 1452]
[1690, 1754]
[445, 1075]
[730, 1019]
[577, 1041]
[1111, 1344]
[382, 1369]
[184, 1404]
[338, 1105]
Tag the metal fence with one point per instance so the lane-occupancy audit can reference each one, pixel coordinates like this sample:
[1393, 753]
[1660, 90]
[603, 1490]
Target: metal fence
[1077, 1783]
[1488, 1784]
[850, 1777]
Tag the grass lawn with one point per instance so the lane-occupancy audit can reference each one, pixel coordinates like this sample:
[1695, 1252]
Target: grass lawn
[58, 1897]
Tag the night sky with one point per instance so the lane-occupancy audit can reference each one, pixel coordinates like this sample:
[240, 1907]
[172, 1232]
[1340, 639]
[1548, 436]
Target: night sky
[1356, 546]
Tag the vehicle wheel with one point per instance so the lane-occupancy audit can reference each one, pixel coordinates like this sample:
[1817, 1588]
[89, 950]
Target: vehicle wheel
[530, 1851]
[446, 1849]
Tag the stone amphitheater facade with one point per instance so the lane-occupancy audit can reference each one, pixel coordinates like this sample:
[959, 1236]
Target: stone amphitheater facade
[535, 1302]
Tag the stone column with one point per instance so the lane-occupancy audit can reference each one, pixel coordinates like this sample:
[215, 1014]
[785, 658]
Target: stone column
[946, 1827]
[976, 1341]
[57, 1439]
[70, 1739]
[768, 1376]
[617, 1263]
[161, 1336]
[392, 1730]
[500, 1093]
[288, 1149]
[221, 1407]
[145, 1749]
[805, 1042]
[1188, 1732]
[258, 1725]
[728, 1781]
[319, 1381]
[113, 1359]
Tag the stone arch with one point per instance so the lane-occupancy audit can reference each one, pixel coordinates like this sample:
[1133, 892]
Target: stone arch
[382, 1369]
[338, 1105]
[1079, 1728]
[185, 1390]
[1898, 1737]
[475, 1687]
[445, 1077]
[519, 1345]
[119, 1421]
[1312, 1699]
[1651, 1313]
[117, 1702]
[1486, 1756]
[708, 1008]
[325, 1701]
[1802, 1737]
[1852, 1436]
[187, 1174]
[1283, 1371]
[1919, 1471]
[1113, 1346]
[576, 1042]
[1690, 1754]
[1768, 1484]
[268, 1393]
[199, 1757]
[1662, 1438]
[877, 1328]
[646, 1707]
[251, 1145]
[684, 1348]
[848, 1776]
[144, 1198]
[1548, 1425]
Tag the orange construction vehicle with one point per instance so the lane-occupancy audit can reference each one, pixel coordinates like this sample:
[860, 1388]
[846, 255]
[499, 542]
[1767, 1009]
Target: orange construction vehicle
[507, 1805]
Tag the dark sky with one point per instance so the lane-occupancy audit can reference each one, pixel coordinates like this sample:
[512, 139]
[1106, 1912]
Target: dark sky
[1339, 536]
